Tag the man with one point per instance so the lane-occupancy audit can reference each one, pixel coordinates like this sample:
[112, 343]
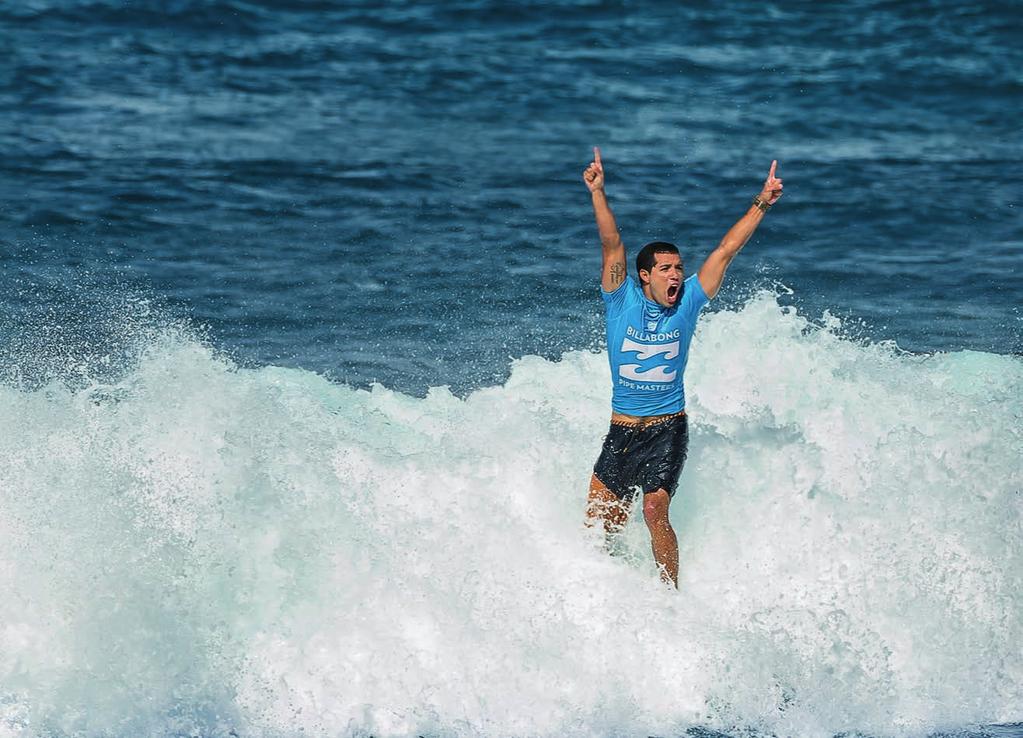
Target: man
[649, 328]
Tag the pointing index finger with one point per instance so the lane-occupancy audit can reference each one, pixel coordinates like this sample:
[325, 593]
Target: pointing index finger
[774, 165]
[596, 156]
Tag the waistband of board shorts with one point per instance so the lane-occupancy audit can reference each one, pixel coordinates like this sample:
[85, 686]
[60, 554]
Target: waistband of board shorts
[643, 421]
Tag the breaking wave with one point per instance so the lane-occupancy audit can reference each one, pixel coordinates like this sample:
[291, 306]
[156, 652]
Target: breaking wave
[197, 548]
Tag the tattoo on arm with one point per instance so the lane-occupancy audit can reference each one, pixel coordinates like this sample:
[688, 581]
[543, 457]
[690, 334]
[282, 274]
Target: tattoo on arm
[617, 273]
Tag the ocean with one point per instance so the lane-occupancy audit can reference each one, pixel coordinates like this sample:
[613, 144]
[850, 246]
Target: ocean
[303, 375]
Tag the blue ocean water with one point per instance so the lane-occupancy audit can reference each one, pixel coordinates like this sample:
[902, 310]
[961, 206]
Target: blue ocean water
[391, 192]
[301, 351]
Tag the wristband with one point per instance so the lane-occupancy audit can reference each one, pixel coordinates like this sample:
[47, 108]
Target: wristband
[762, 205]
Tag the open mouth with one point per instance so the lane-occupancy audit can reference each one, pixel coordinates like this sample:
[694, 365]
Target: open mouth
[672, 292]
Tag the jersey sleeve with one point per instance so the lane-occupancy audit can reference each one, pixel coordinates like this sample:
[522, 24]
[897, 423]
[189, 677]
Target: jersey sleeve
[693, 299]
[619, 297]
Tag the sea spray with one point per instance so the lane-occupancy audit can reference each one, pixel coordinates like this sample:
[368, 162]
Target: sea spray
[199, 548]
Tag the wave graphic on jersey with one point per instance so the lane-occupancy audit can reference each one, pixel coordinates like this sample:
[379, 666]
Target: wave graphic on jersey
[648, 351]
[657, 374]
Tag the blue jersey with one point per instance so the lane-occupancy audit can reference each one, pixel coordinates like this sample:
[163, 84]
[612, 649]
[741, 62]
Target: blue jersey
[648, 346]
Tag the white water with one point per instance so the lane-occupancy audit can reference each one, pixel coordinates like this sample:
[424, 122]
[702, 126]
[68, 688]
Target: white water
[200, 548]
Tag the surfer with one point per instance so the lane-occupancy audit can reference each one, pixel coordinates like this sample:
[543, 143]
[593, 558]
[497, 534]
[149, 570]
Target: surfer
[649, 327]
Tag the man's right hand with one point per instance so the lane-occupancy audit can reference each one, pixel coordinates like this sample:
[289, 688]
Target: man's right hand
[612, 270]
[594, 174]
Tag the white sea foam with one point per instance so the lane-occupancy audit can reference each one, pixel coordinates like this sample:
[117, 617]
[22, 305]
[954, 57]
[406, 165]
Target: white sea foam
[200, 548]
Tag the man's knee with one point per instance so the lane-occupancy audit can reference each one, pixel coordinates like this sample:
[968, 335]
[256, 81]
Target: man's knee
[600, 496]
[655, 507]
[604, 504]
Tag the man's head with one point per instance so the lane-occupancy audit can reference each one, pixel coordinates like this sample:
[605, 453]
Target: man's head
[659, 267]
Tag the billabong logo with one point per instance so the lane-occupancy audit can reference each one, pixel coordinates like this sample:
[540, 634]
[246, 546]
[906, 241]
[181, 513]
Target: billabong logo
[650, 350]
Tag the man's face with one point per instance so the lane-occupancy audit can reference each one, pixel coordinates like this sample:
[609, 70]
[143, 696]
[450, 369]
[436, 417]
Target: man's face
[665, 279]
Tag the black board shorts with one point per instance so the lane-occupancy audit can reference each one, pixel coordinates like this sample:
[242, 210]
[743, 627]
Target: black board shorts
[649, 456]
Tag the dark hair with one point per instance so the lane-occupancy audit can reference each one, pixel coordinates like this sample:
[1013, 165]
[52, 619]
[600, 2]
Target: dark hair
[645, 258]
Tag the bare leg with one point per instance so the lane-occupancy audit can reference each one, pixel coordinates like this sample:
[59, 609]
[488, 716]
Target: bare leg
[662, 535]
[604, 506]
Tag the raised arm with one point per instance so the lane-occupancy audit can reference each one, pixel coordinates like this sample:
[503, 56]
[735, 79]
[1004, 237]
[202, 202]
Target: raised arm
[612, 272]
[712, 273]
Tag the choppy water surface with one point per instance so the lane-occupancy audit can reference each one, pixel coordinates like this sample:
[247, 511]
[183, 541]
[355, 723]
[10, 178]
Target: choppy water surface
[392, 193]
